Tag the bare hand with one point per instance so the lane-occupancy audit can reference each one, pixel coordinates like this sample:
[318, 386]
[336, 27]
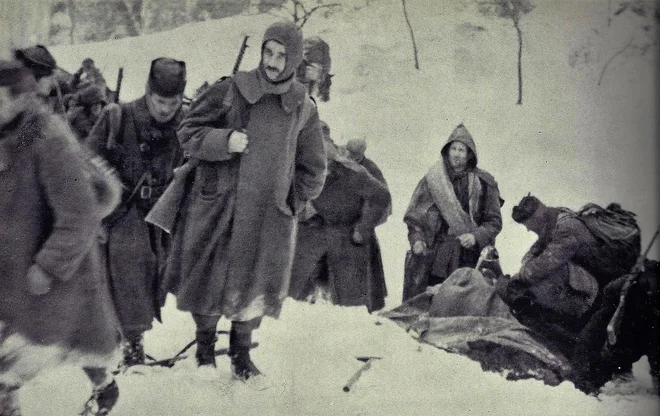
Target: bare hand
[419, 247]
[39, 282]
[237, 142]
[467, 240]
[357, 238]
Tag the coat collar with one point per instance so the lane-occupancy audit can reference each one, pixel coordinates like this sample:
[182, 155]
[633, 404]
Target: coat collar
[250, 88]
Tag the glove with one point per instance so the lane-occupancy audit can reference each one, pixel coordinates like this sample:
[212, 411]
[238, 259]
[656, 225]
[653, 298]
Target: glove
[39, 282]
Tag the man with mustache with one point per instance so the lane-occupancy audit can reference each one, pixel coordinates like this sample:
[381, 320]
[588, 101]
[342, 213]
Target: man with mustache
[453, 214]
[139, 139]
[256, 138]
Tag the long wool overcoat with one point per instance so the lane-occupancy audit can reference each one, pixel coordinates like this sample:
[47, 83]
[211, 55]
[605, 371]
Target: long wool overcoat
[234, 238]
[144, 153]
[50, 214]
[351, 200]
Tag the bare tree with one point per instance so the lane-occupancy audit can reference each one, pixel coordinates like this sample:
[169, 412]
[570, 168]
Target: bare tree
[301, 10]
[412, 34]
[71, 8]
[514, 10]
[646, 36]
[22, 23]
[133, 10]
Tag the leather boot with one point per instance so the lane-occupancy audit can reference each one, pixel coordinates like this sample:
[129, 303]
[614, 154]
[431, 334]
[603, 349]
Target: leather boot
[205, 354]
[132, 348]
[9, 401]
[239, 352]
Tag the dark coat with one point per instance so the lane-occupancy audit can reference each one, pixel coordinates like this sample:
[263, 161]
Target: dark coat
[145, 154]
[81, 121]
[377, 286]
[50, 214]
[565, 239]
[425, 223]
[233, 241]
[555, 292]
[352, 199]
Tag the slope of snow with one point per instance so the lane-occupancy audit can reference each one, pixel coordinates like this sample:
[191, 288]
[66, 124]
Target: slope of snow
[571, 142]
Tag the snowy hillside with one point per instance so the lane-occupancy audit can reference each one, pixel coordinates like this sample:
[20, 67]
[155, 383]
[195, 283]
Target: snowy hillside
[571, 142]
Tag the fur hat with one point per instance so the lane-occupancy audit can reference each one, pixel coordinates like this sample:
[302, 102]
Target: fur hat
[289, 35]
[37, 59]
[526, 208]
[17, 77]
[167, 77]
[316, 50]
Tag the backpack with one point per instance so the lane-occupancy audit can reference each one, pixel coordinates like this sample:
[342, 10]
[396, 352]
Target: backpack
[617, 231]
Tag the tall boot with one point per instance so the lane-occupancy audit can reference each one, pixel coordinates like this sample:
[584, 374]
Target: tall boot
[132, 347]
[239, 352]
[205, 354]
[9, 400]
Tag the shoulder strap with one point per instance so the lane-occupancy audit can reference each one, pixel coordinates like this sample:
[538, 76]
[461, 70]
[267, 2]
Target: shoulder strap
[231, 92]
[114, 121]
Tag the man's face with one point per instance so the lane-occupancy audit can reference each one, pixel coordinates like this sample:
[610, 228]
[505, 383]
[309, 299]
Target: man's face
[163, 109]
[313, 72]
[534, 223]
[9, 108]
[96, 109]
[45, 85]
[458, 156]
[273, 59]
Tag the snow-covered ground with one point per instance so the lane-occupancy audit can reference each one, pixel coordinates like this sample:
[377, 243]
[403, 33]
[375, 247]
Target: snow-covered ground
[571, 142]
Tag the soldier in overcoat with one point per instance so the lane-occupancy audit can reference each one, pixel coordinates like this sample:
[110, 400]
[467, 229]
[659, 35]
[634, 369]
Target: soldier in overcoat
[139, 139]
[260, 156]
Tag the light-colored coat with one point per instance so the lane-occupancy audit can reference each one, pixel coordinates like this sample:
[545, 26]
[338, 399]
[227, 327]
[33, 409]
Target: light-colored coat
[50, 214]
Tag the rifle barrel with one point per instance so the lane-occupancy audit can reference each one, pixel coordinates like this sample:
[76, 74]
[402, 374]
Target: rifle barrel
[651, 243]
[241, 52]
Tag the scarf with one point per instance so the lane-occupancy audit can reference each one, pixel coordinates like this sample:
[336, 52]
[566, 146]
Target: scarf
[444, 197]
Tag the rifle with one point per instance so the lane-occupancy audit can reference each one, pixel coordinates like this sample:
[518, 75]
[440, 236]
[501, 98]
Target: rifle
[120, 77]
[241, 52]
[615, 322]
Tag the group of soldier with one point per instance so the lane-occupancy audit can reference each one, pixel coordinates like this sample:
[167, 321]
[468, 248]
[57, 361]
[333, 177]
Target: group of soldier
[231, 204]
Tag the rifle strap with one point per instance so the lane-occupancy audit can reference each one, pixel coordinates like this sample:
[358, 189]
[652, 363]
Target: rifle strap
[114, 121]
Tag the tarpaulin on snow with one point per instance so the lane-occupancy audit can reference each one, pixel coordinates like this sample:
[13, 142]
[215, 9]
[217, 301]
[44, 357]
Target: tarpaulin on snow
[465, 315]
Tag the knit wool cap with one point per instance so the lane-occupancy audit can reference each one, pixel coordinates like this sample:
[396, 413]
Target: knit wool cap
[16, 76]
[356, 147]
[526, 208]
[167, 77]
[289, 35]
[37, 59]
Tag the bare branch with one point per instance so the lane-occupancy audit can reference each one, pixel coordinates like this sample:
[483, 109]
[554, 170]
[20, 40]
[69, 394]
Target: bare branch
[412, 34]
[313, 9]
[609, 61]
